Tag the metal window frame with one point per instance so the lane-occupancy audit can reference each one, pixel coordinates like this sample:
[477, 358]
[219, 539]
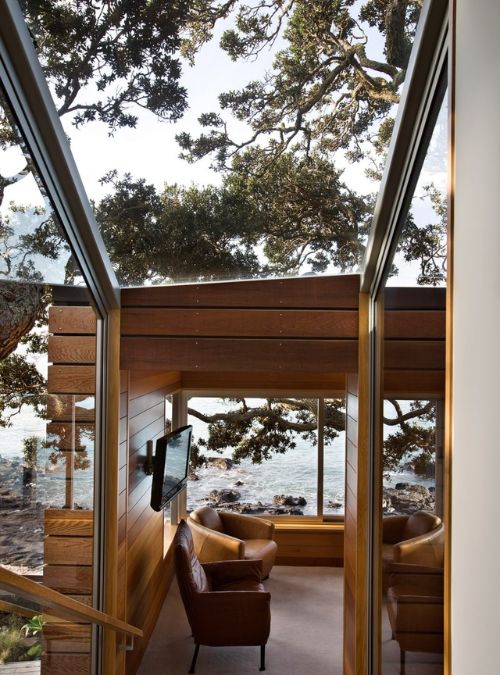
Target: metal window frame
[33, 107]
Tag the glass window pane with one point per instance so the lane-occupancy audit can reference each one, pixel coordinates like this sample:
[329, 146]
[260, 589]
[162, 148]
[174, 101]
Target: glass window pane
[254, 455]
[48, 349]
[334, 457]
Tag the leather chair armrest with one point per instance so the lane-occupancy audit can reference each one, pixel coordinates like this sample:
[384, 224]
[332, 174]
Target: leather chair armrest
[392, 528]
[426, 549]
[230, 570]
[211, 545]
[246, 527]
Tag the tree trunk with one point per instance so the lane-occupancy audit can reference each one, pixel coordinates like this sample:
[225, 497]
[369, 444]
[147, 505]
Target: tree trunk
[19, 307]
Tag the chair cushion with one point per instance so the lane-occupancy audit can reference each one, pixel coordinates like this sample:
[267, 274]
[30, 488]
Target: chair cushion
[208, 518]
[190, 574]
[419, 523]
[261, 549]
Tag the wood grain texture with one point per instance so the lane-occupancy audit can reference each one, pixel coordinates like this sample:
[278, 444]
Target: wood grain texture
[300, 546]
[72, 320]
[414, 354]
[417, 324]
[209, 354]
[166, 321]
[326, 292]
[318, 382]
[72, 349]
[414, 383]
[71, 379]
[68, 550]
[66, 664]
[418, 297]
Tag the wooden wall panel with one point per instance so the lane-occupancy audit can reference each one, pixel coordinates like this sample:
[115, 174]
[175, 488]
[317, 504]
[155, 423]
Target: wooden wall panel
[244, 354]
[166, 321]
[310, 545]
[296, 382]
[143, 568]
[322, 292]
[356, 507]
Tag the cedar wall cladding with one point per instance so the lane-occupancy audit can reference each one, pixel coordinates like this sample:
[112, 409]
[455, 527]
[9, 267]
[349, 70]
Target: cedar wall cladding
[145, 573]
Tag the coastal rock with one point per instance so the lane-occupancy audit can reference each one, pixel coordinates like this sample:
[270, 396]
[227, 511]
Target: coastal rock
[334, 504]
[223, 463]
[193, 476]
[239, 482]
[406, 498]
[288, 500]
[224, 496]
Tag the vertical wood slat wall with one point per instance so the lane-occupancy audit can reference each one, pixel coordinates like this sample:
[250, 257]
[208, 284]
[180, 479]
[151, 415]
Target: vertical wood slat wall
[148, 573]
[68, 532]
[357, 507]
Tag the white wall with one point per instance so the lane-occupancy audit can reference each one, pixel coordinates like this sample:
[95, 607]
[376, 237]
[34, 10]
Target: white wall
[476, 344]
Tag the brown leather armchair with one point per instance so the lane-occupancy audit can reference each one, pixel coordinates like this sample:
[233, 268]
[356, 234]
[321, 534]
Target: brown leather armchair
[415, 607]
[232, 536]
[225, 602]
[417, 539]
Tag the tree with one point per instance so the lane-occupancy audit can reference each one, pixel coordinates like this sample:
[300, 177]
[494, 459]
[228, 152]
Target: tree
[103, 61]
[259, 432]
[125, 50]
[324, 92]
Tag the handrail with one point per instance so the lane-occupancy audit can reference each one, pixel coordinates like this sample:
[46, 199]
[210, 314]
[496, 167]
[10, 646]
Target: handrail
[68, 607]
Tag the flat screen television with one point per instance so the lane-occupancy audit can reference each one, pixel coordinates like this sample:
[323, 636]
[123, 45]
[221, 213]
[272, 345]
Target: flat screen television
[171, 464]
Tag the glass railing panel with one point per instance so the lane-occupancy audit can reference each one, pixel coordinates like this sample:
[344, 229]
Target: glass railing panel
[47, 395]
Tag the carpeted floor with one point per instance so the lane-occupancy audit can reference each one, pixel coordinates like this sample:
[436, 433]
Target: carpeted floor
[306, 631]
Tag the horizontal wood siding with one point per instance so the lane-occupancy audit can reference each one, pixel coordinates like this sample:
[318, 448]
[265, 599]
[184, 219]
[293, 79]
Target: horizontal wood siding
[414, 342]
[68, 543]
[143, 569]
[275, 325]
[321, 545]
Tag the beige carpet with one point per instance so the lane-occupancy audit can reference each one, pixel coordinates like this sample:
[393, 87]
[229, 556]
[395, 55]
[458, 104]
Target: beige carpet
[306, 631]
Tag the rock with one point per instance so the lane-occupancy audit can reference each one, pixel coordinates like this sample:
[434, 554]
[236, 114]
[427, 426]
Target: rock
[193, 476]
[223, 463]
[239, 482]
[408, 499]
[334, 504]
[224, 496]
[288, 500]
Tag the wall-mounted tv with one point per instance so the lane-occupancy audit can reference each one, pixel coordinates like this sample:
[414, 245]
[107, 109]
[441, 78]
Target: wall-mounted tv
[171, 464]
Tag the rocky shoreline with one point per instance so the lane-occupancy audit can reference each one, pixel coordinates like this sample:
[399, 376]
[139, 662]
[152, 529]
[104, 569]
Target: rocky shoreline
[404, 498]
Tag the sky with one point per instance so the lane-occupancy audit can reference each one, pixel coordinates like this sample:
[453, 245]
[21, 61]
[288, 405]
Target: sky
[151, 152]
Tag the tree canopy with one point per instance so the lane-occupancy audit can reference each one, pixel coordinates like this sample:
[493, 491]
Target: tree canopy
[328, 89]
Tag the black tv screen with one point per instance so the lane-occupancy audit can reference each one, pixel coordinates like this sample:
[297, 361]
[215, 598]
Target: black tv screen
[171, 464]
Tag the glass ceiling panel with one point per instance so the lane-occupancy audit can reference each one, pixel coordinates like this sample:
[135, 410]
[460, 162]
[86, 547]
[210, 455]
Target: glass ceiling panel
[280, 117]
[33, 247]
[421, 255]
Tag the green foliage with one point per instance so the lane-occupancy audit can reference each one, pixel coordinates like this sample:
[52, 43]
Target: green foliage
[259, 432]
[20, 384]
[324, 92]
[32, 628]
[13, 645]
[125, 50]
[414, 441]
[30, 451]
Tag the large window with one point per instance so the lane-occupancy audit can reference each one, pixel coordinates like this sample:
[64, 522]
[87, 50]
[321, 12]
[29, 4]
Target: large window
[264, 455]
[48, 359]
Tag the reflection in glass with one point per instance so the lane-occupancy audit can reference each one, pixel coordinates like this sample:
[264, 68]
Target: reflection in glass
[47, 402]
[334, 457]
[411, 476]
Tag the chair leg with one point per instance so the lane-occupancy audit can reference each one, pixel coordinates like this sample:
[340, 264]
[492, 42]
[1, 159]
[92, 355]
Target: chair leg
[195, 656]
[403, 662]
[262, 657]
